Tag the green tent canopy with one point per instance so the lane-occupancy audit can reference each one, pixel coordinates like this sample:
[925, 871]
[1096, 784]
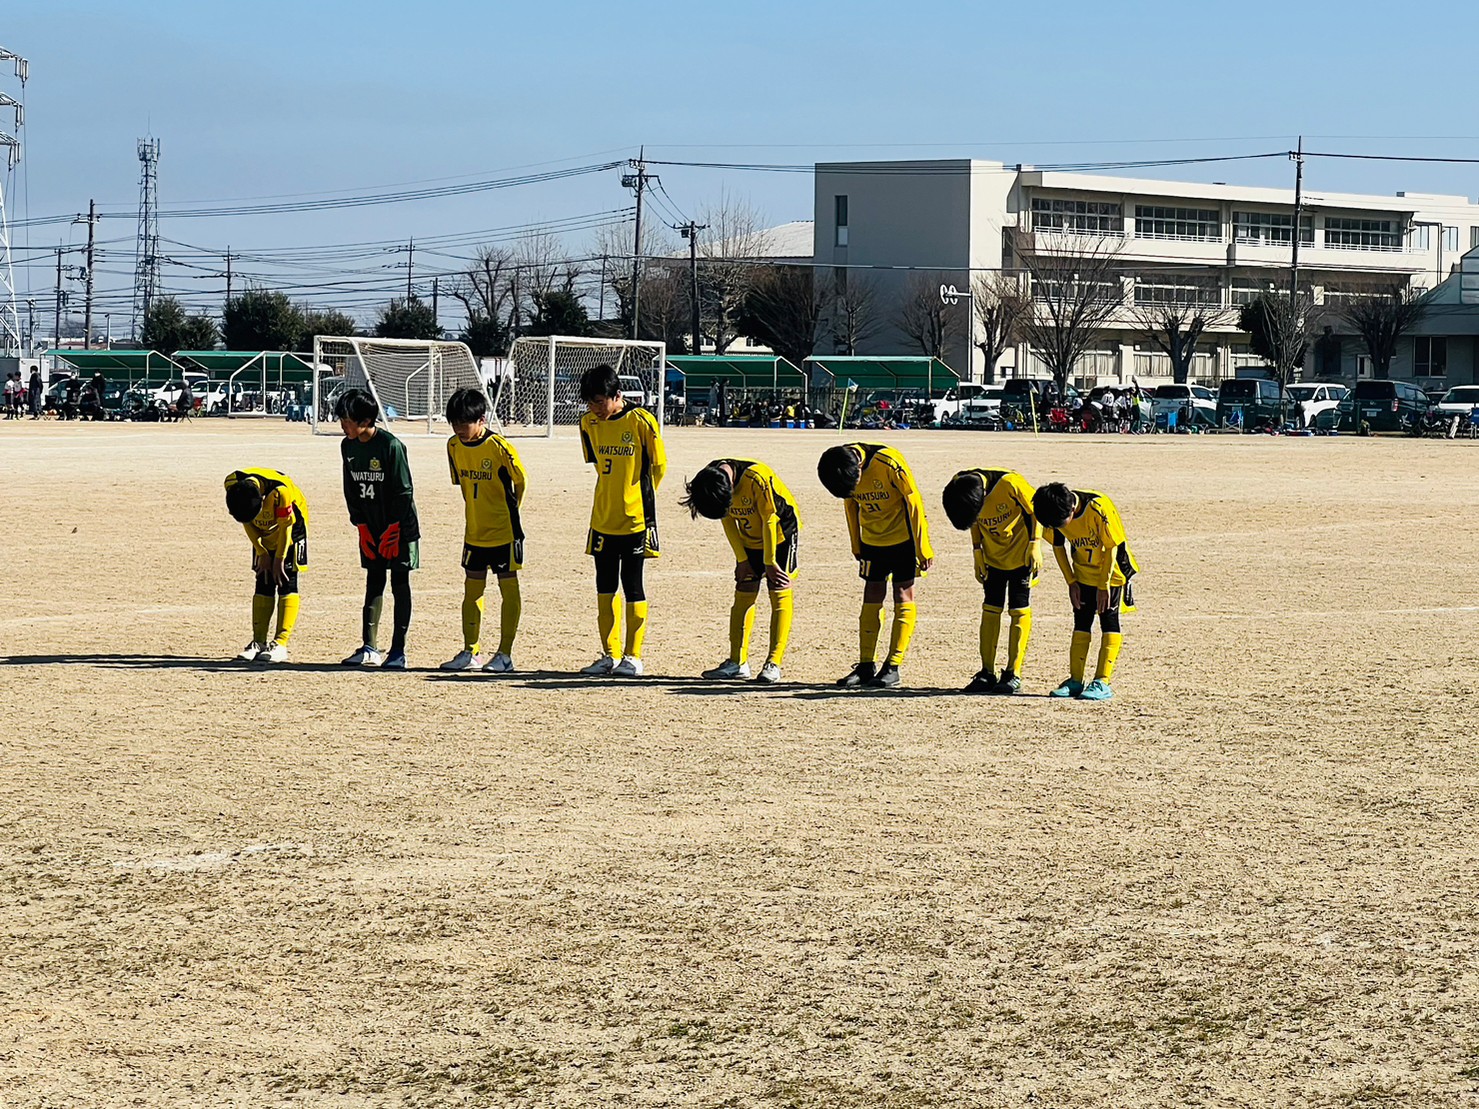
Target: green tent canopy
[133, 364]
[740, 371]
[928, 375]
[229, 362]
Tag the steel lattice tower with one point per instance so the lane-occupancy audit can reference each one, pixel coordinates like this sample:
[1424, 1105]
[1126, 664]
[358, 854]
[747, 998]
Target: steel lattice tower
[10, 142]
[146, 264]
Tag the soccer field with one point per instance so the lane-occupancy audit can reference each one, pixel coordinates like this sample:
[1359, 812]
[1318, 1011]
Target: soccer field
[1247, 880]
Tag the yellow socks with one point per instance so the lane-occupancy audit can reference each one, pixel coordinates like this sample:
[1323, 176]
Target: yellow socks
[509, 614]
[636, 628]
[1109, 653]
[261, 617]
[472, 613]
[741, 621]
[606, 623]
[870, 623]
[1078, 655]
[782, 609]
[1017, 639]
[990, 633]
[287, 616]
[903, 630]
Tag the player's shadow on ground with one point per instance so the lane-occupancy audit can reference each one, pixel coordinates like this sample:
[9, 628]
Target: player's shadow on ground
[166, 662]
[686, 686]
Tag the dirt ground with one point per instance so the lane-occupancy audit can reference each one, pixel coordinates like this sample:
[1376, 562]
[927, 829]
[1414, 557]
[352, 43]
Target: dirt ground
[1248, 880]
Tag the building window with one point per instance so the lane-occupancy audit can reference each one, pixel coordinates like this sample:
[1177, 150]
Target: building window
[1473, 237]
[1362, 234]
[1450, 239]
[1170, 290]
[1430, 356]
[1092, 217]
[1153, 221]
[1247, 290]
[1271, 227]
[840, 206]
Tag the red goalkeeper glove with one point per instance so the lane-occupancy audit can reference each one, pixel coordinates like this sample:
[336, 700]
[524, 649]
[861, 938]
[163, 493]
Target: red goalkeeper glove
[390, 542]
[366, 541]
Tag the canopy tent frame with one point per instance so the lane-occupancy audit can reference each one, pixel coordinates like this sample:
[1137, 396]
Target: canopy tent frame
[755, 371]
[871, 374]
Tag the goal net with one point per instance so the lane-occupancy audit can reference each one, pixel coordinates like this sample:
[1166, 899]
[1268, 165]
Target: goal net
[410, 379]
[538, 386]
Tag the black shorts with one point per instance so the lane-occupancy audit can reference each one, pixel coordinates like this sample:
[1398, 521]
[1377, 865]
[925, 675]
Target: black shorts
[900, 562]
[643, 544]
[501, 560]
[785, 557]
[408, 559]
[1008, 588]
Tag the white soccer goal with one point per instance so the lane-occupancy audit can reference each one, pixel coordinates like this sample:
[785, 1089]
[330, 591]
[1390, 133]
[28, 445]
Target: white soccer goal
[539, 385]
[410, 379]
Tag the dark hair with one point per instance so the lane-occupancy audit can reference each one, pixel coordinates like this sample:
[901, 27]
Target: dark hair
[839, 469]
[356, 405]
[599, 382]
[963, 498]
[709, 493]
[467, 406]
[244, 500]
[1052, 504]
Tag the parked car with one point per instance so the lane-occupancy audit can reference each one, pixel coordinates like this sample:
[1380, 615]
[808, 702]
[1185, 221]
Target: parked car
[954, 400]
[633, 390]
[983, 410]
[1390, 405]
[1460, 400]
[1313, 400]
[1249, 403]
[1191, 404]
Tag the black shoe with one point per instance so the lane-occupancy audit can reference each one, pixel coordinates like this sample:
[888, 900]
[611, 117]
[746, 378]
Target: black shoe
[1007, 684]
[886, 678]
[983, 682]
[861, 674]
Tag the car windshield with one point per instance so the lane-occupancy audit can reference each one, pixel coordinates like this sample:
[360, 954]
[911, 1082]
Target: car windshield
[1375, 390]
[1172, 392]
[1464, 394]
[1301, 392]
[1240, 390]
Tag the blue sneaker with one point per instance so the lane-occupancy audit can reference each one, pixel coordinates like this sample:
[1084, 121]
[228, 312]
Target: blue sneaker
[1096, 690]
[396, 660]
[1071, 687]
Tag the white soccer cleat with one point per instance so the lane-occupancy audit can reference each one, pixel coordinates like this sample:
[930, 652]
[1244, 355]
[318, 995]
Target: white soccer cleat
[770, 673]
[728, 671]
[500, 663]
[600, 668]
[250, 652]
[273, 652]
[464, 660]
[628, 668]
[365, 656]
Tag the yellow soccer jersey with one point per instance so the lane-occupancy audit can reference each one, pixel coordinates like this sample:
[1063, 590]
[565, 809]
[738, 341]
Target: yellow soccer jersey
[886, 508]
[492, 480]
[1005, 528]
[763, 512]
[1095, 536]
[628, 455]
[283, 508]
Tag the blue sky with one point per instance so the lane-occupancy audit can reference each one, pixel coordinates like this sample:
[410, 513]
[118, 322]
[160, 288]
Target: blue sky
[269, 98]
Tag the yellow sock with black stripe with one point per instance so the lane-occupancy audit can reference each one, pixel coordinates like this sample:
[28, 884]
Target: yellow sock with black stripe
[870, 624]
[905, 615]
[782, 609]
[287, 616]
[636, 628]
[1017, 638]
[741, 623]
[472, 613]
[509, 614]
[1109, 653]
[990, 634]
[1078, 655]
[606, 623]
[261, 617]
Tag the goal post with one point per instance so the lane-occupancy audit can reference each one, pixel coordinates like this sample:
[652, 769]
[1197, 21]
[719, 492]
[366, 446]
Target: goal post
[538, 385]
[410, 379]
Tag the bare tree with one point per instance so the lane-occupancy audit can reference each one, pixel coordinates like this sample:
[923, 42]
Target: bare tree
[923, 316]
[728, 253]
[662, 290]
[852, 310]
[1381, 318]
[784, 310]
[1175, 325]
[1076, 288]
[1280, 329]
[1000, 306]
[486, 290]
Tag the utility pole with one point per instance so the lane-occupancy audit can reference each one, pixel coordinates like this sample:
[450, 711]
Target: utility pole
[690, 232]
[146, 253]
[410, 267]
[57, 326]
[92, 223]
[637, 181]
[435, 318]
[228, 272]
[601, 312]
[1288, 371]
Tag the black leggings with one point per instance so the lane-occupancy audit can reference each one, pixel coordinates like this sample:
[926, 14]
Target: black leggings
[1083, 616]
[625, 568]
[400, 589]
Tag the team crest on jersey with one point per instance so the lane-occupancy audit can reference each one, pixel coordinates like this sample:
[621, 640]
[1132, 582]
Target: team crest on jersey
[374, 464]
[877, 483]
[626, 436]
